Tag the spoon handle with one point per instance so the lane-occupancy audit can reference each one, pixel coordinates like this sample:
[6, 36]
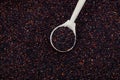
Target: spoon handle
[77, 10]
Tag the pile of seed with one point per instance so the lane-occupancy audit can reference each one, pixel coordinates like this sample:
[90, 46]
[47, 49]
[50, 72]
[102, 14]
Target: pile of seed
[26, 52]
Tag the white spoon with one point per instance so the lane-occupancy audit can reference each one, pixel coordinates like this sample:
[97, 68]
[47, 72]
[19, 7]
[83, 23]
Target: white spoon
[70, 24]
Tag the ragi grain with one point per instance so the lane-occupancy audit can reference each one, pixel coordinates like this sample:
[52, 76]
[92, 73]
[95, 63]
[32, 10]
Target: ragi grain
[63, 38]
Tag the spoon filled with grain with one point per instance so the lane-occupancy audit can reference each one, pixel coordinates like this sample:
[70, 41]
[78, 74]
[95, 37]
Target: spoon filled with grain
[63, 37]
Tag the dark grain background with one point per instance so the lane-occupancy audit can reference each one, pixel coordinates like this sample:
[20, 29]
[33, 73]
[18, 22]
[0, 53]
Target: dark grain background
[25, 50]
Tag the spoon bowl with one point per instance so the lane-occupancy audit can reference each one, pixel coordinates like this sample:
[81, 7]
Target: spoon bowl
[70, 26]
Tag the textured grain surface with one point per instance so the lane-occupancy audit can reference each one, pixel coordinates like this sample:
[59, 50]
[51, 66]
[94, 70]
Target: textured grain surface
[25, 50]
[63, 38]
